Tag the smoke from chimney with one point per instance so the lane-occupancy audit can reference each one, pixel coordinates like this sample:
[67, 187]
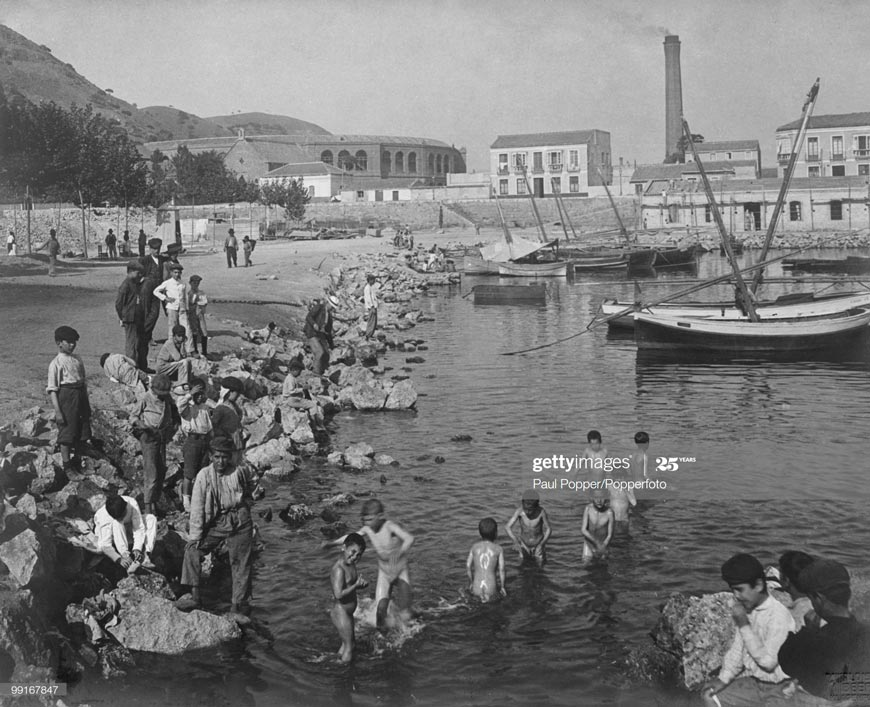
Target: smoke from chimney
[673, 96]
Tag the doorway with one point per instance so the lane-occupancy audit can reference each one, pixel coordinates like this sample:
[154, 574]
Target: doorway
[539, 187]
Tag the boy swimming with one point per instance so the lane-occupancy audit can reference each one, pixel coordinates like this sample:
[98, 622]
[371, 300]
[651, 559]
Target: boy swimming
[345, 582]
[485, 564]
[534, 528]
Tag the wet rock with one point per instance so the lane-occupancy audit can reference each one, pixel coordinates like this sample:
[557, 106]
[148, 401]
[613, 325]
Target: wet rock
[339, 499]
[360, 449]
[29, 555]
[368, 396]
[309, 450]
[334, 530]
[366, 353]
[330, 515]
[461, 438]
[384, 460]
[402, 396]
[267, 455]
[415, 359]
[281, 472]
[296, 514]
[439, 460]
[358, 462]
[336, 458]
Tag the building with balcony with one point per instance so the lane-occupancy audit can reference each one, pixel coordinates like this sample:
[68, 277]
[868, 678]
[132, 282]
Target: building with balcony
[834, 146]
[728, 151]
[569, 163]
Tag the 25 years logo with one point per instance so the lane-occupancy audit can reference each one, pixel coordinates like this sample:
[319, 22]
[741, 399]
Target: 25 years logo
[671, 463]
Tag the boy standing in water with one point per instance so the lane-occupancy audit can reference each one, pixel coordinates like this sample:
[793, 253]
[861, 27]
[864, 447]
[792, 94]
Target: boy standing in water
[391, 544]
[484, 560]
[345, 582]
[640, 464]
[534, 528]
[594, 449]
[597, 526]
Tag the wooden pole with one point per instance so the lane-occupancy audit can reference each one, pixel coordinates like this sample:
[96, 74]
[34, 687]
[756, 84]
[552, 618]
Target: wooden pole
[29, 204]
[84, 227]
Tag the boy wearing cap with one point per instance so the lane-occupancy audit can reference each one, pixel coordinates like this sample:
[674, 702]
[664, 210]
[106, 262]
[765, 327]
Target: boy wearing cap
[750, 672]
[131, 313]
[822, 659]
[220, 511]
[534, 528]
[174, 293]
[152, 276]
[196, 304]
[171, 361]
[69, 395]
[226, 418]
[318, 330]
[231, 245]
[197, 427]
[155, 421]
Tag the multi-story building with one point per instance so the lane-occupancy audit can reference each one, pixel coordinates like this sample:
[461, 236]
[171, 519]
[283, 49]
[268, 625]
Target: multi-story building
[834, 146]
[564, 162]
[728, 151]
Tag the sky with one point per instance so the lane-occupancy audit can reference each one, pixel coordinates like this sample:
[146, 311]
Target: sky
[466, 71]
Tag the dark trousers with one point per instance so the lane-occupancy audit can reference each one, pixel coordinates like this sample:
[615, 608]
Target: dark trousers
[76, 409]
[136, 346]
[195, 453]
[320, 351]
[371, 322]
[231, 258]
[113, 251]
[234, 527]
[153, 465]
[152, 308]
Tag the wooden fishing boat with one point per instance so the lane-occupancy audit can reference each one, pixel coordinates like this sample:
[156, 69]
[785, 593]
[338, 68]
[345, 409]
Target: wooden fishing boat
[805, 334]
[475, 265]
[533, 293]
[676, 257]
[791, 306]
[556, 268]
[850, 265]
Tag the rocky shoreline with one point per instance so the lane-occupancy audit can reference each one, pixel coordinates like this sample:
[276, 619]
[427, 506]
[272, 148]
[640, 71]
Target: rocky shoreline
[61, 616]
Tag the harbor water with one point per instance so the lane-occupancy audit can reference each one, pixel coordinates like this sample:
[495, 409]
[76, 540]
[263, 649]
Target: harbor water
[770, 457]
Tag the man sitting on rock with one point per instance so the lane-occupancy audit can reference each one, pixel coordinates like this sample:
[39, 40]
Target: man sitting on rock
[172, 360]
[831, 661]
[220, 511]
[123, 535]
[121, 369]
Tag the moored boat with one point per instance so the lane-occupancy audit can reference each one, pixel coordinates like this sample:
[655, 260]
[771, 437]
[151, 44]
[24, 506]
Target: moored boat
[850, 265]
[475, 265]
[741, 336]
[557, 268]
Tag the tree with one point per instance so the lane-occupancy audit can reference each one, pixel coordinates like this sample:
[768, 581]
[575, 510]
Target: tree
[682, 147]
[292, 195]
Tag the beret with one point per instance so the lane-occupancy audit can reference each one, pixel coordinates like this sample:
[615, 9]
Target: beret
[66, 333]
[155, 243]
[233, 384]
[222, 444]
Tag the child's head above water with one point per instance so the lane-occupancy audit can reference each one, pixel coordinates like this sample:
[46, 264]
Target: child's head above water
[641, 438]
[488, 529]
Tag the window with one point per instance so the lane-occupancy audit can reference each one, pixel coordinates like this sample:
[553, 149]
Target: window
[812, 149]
[538, 161]
[708, 213]
[503, 163]
[395, 195]
[573, 159]
[431, 163]
[783, 148]
[360, 194]
[438, 163]
[727, 155]
[837, 147]
[813, 171]
[502, 187]
[519, 159]
[412, 162]
[521, 186]
[311, 190]
[864, 169]
[362, 160]
[326, 156]
[574, 185]
[400, 161]
[861, 145]
[446, 164]
[794, 210]
[554, 160]
[556, 183]
[836, 211]
[345, 161]
[838, 170]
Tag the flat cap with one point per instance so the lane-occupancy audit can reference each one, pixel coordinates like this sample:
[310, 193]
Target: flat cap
[66, 333]
[175, 266]
[179, 330]
[222, 444]
[195, 278]
[823, 577]
[742, 569]
[155, 243]
[134, 265]
[233, 384]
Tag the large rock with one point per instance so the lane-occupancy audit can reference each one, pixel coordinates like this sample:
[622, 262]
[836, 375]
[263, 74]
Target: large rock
[358, 462]
[29, 556]
[361, 449]
[351, 375]
[149, 622]
[23, 641]
[368, 396]
[402, 396]
[80, 497]
[367, 353]
[267, 455]
[263, 430]
[49, 472]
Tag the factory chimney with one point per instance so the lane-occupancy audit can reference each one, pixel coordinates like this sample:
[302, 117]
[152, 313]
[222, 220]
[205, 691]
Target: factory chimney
[673, 98]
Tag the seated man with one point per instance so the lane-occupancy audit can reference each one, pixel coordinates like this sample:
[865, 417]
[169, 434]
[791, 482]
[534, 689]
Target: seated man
[262, 336]
[122, 369]
[122, 534]
[171, 360]
[830, 660]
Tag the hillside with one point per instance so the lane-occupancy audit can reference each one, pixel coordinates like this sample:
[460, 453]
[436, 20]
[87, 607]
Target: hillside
[30, 70]
[266, 124]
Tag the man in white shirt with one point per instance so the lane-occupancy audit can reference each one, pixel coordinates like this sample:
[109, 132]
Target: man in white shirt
[175, 294]
[123, 535]
[370, 303]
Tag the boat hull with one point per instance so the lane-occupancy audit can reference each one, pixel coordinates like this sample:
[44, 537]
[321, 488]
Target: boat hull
[675, 257]
[850, 265]
[510, 294]
[739, 337]
[810, 306]
[555, 269]
[472, 265]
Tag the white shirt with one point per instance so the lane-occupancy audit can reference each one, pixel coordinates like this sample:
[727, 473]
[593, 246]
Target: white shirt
[112, 533]
[174, 289]
[370, 296]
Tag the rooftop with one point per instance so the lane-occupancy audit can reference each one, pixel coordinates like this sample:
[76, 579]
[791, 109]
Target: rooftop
[304, 169]
[570, 137]
[727, 145]
[840, 120]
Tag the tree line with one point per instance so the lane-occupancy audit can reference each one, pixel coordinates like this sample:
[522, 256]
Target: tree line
[78, 155]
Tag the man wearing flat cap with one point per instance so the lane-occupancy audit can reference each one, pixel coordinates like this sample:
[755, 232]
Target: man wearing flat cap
[220, 512]
[152, 276]
[831, 661]
[131, 313]
[226, 418]
[175, 295]
[154, 423]
[318, 330]
[231, 248]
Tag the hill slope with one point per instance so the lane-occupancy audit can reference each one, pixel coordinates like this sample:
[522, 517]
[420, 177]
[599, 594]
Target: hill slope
[30, 70]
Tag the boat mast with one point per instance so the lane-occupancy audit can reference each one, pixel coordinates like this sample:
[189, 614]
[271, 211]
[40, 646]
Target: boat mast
[563, 212]
[726, 241]
[622, 229]
[504, 227]
[534, 207]
[808, 106]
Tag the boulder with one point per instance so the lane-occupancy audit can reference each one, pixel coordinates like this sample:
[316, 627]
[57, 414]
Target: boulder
[362, 449]
[343, 354]
[282, 472]
[80, 497]
[303, 434]
[268, 454]
[29, 556]
[384, 460]
[296, 514]
[50, 476]
[351, 375]
[148, 621]
[263, 430]
[336, 458]
[27, 506]
[358, 462]
[23, 643]
[339, 499]
[123, 397]
[402, 397]
[367, 353]
[368, 396]
[32, 424]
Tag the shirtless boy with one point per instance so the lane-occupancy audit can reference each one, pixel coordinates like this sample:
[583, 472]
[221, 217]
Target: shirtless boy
[597, 527]
[485, 559]
[534, 528]
[594, 449]
[345, 582]
[391, 544]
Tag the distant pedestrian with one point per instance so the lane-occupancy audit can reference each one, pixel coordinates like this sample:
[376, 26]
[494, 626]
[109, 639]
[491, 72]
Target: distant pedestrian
[318, 330]
[370, 303]
[112, 244]
[231, 246]
[131, 313]
[125, 244]
[10, 243]
[53, 252]
[143, 240]
[248, 248]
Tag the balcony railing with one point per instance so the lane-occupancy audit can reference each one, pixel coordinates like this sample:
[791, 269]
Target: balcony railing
[838, 157]
[555, 167]
[813, 158]
[538, 169]
[861, 153]
[783, 157]
[573, 167]
[519, 168]
[503, 169]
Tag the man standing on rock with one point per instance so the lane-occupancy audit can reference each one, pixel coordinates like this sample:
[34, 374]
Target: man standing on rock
[370, 302]
[131, 313]
[220, 511]
[318, 330]
[152, 276]
[226, 418]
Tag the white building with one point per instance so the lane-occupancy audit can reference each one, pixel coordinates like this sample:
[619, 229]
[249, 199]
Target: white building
[323, 181]
[834, 146]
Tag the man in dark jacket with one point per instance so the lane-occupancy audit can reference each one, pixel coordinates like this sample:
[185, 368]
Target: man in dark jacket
[128, 305]
[152, 275]
[830, 661]
[143, 239]
[318, 330]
